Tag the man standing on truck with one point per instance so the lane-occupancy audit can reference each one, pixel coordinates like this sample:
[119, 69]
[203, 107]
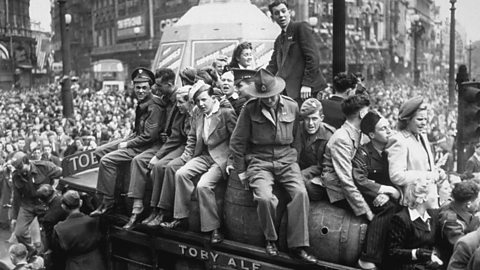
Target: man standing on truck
[146, 134]
[295, 57]
[264, 158]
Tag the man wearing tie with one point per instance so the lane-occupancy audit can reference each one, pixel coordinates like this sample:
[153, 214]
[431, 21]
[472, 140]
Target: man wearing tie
[295, 57]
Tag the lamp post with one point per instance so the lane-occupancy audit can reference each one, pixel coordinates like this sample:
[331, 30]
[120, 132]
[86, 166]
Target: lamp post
[417, 29]
[137, 30]
[67, 97]
[451, 68]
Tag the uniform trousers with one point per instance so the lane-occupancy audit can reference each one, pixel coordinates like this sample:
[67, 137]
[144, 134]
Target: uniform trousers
[211, 174]
[158, 175]
[109, 163]
[166, 197]
[262, 176]
[26, 215]
[139, 170]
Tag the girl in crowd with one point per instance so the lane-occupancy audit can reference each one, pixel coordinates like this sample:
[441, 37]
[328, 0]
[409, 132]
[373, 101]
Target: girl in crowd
[242, 56]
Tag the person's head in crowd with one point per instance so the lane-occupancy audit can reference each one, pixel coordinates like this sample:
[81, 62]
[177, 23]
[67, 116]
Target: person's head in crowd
[266, 87]
[9, 148]
[79, 144]
[47, 149]
[21, 143]
[376, 127]
[188, 75]
[344, 83]
[71, 201]
[182, 99]
[45, 192]
[242, 79]
[208, 75]
[421, 194]
[204, 99]
[143, 79]
[311, 112]
[465, 195]
[242, 56]
[355, 107]
[18, 254]
[412, 116]
[36, 153]
[227, 84]
[35, 133]
[220, 63]
[165, 81]
[47, 126]
[20, 162]
[280, 13]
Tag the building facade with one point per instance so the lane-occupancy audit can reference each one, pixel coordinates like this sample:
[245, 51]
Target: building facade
[17, 45]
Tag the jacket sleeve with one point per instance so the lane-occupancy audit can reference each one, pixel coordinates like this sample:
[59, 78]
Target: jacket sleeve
[15, 200]
[397, 150]
[272, 65]
[360, 175]
[451, 229]
[311, 55]
[461, 256]
[54, 171]
[239, 140]
[151, 131]
[191, 139]
[342, 164]
[176, 139]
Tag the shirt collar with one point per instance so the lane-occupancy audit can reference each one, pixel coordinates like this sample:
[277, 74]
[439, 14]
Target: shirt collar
[216, 107]
[234, 96]
[414, 215]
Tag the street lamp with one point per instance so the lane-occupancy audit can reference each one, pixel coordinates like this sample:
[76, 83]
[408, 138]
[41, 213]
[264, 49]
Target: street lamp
[417, 30]
[451, 68]
[137, 30]
[67, 97]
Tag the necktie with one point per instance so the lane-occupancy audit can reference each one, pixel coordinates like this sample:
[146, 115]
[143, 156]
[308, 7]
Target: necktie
[283, 37]
[274, 115]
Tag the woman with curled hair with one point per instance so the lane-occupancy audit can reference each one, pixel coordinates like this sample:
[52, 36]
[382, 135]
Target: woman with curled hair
[409, 152]
[413, 232]
[242, 56]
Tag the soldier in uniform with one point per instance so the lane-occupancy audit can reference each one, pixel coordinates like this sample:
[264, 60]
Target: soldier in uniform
[370, 173]
[146, 134]
[312, 138]
[140, 167]
[263, 154]
[206, 153]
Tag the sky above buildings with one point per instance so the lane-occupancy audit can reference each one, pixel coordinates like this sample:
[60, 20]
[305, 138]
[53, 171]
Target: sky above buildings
[466, 13]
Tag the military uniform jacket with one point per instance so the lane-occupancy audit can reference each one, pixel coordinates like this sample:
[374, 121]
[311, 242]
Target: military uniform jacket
[25, 185]
[311, 148]
[78, 237]
[221, 127]
[148, 123]
[178, 137]
[237, 102]
[258, 135]
[370, 171]
[466, 254]
[296, 59]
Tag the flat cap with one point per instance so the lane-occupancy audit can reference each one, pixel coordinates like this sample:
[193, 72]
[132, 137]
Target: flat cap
[369, 121]
[184, 90]
[188, 74]
[71, 199]
[408, 109]
[143, 75]
[310, 106]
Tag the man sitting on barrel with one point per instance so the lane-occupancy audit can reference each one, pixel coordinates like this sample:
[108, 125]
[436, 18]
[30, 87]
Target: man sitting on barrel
[145, 135]
[263, 154]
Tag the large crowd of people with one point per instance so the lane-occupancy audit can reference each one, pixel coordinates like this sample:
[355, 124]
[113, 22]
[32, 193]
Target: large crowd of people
[383, 152]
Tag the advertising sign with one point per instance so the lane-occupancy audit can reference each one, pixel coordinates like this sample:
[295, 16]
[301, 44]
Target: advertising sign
[171, 55]
[131, 27]
[206, 51]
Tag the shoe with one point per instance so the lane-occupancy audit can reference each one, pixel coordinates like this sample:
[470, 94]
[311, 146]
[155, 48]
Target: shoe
[176, 224]
[271, 249]
[156, 221]
[302, 255]
[216, 237]
[150, 217]
[131, 222]
[103, 209]
[366, 265]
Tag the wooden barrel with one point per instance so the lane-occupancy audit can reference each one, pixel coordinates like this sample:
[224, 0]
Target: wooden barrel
[336, 235]
[194, 217]
[240, 213]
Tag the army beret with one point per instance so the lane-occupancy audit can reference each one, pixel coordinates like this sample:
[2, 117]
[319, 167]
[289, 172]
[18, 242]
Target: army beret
[143, 75]
[184, 90]
[408, 109]
[369, 121]
[71, 199]
[310, 106]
